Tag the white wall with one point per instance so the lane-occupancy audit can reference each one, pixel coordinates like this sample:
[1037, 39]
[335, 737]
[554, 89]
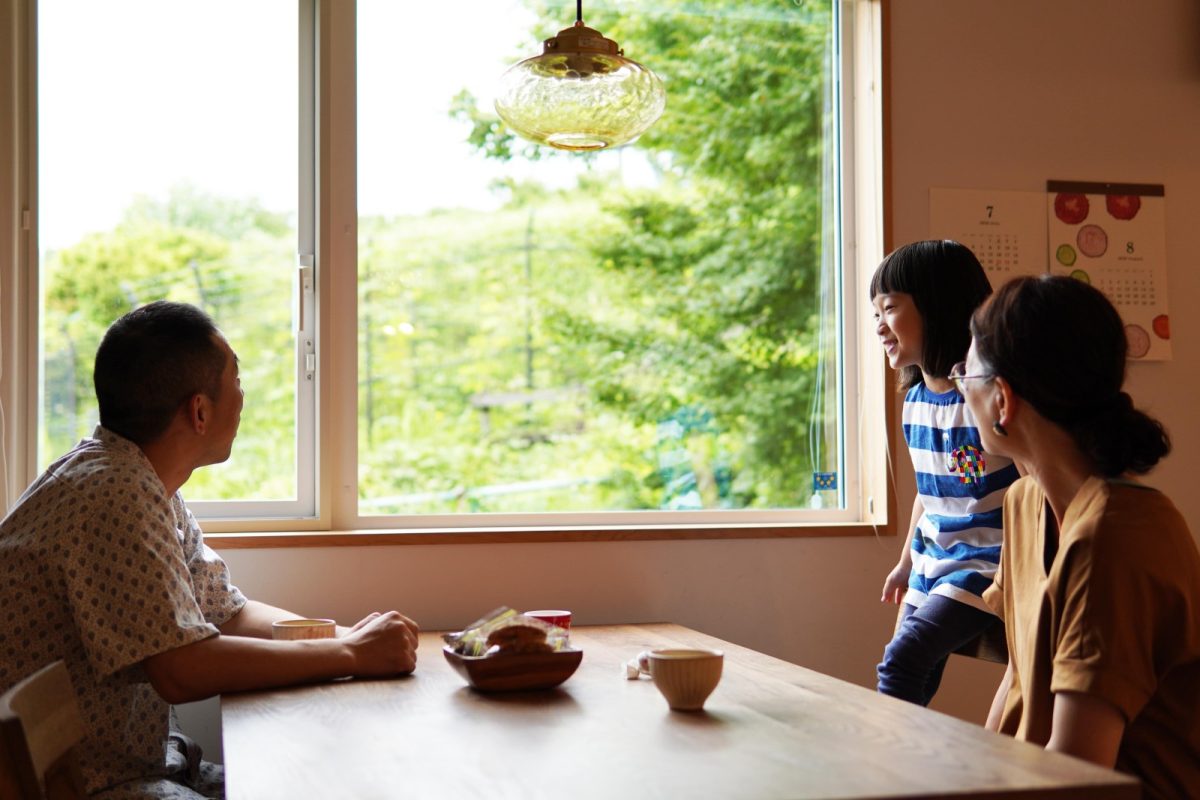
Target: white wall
[1003, 95]
[995, 94]
[984, 94]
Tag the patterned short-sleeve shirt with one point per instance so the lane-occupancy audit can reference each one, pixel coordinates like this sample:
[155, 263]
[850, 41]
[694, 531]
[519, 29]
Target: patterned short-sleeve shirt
[100, 567]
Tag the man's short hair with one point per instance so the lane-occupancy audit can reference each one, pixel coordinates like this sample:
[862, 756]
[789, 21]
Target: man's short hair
[150, 362]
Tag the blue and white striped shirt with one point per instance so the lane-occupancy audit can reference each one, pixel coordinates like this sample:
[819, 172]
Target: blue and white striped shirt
[957, 545]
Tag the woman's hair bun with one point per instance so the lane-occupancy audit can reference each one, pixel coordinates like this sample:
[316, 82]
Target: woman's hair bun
[1029, 333]
[1119, 438]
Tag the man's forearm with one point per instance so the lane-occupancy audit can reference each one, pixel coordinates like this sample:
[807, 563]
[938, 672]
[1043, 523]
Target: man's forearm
[255, 620]
[230, 663]
[382, 645]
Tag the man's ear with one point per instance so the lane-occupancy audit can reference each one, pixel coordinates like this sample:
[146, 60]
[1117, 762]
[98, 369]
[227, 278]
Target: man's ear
[199, 411]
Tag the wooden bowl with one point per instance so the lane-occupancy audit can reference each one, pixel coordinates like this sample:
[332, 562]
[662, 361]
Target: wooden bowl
[515, 672]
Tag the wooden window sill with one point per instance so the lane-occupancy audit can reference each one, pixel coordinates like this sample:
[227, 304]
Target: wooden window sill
[389, 537]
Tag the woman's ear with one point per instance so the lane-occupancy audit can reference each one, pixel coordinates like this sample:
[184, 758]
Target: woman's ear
[1004, 402]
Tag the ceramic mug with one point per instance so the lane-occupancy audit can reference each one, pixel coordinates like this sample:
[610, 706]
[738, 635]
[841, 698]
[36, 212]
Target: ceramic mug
[291, 629]
[556, 616]
[686, 677]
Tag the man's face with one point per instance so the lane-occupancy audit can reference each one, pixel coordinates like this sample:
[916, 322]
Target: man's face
[227, 410]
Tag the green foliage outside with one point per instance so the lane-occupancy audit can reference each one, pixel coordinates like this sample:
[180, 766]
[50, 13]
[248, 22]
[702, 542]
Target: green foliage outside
[697, 300]
[586, 349]
[232, 258]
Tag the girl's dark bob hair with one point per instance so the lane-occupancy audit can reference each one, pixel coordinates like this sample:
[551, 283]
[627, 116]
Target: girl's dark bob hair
[947, 283]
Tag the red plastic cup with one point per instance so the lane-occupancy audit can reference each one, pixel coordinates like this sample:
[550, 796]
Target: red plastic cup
[556, 616]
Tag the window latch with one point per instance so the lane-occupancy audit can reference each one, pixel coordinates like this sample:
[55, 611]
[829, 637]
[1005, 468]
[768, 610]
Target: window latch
[305, 301]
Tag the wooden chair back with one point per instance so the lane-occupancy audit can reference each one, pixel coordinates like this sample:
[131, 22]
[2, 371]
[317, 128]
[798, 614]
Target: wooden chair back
[40, 726]
[989, 645]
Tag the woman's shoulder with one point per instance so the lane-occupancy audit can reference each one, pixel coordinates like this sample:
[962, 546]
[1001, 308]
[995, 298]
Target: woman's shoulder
[1024, 494]
[1132, 501]
[1129, 517]
[1107, 496]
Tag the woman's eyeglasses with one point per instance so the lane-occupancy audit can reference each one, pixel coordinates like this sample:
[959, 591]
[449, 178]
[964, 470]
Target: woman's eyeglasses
[958, 376]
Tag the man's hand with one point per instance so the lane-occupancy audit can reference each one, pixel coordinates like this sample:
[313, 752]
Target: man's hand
[383, 645]
[344, 631]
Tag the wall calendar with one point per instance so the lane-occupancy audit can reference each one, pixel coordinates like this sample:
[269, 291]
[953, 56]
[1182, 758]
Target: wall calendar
[1111, 235]
[1006, 230]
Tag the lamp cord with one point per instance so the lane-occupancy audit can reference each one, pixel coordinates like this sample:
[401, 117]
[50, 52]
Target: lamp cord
[579, 11]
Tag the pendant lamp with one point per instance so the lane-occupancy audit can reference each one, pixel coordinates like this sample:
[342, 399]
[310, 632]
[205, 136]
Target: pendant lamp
[581, 93]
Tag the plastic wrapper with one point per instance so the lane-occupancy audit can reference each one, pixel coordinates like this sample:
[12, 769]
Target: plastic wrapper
[638, 666]
[473, 640]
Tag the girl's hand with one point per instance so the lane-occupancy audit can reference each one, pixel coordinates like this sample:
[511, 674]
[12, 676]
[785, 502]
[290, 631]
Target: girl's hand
[896, 583]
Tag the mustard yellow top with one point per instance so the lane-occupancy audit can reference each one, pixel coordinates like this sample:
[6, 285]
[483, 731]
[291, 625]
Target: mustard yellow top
[1111, 609]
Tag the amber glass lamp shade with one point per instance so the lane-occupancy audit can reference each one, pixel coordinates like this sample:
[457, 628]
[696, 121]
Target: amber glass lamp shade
[581, 93]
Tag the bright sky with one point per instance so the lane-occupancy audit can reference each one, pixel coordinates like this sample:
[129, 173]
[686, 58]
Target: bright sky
[138, 95]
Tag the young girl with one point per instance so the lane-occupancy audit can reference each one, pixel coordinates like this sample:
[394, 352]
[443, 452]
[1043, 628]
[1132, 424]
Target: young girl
[924, 294]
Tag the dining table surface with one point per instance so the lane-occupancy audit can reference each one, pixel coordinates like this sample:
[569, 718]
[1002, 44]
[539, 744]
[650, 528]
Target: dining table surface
[771, 729]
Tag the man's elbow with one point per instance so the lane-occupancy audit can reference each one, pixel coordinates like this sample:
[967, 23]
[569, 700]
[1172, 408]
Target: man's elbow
[175, 693]
[173, 674]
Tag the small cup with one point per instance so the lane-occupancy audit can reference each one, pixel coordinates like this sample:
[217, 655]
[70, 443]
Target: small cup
[291, 629]
[556, 616]
[686, 677]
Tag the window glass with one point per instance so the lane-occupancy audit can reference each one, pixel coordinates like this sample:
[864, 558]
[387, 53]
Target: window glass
[655, 328]
[167, 165]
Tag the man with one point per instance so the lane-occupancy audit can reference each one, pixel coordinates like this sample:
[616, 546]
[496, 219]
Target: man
[103, 566]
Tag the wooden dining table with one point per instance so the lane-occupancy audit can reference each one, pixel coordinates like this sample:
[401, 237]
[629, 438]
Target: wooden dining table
[771, 729]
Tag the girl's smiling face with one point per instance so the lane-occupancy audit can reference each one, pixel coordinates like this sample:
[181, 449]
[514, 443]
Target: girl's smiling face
[900, 328]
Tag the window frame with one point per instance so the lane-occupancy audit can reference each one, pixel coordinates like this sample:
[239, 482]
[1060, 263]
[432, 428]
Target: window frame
[19, 142]
[18, 240]
[336, 521]
[304, 313]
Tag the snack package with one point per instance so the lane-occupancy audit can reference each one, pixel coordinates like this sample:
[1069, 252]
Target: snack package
[638, 666]
[506, 631]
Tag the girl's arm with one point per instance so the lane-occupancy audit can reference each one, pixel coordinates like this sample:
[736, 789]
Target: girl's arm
[897, 580]
[1086, 727]
[997, 709]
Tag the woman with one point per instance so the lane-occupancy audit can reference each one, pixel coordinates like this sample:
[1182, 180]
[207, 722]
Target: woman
[1099, 579]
